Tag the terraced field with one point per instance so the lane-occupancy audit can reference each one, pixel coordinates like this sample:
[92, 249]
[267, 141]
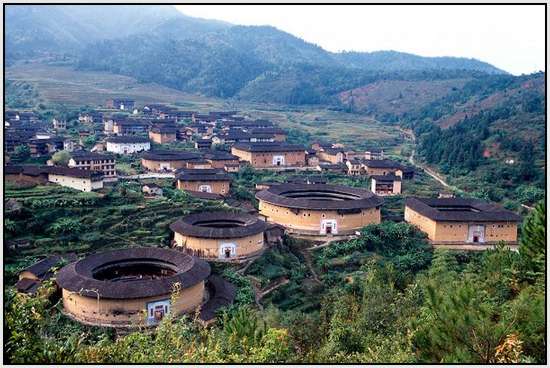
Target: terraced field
[63, 85]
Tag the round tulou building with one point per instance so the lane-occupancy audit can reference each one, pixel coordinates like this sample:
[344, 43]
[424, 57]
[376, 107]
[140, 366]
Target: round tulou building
[222, 236]
[319, 209]
[134, 287]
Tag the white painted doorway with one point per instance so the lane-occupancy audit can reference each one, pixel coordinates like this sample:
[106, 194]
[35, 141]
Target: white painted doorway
[157, 310]
[205, 188]
[227, 250]
[329, 227]
[476, 234]
[278, 160]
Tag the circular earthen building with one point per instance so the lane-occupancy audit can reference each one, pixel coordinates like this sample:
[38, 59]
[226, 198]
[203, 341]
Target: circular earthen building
[319, 209]
[132, 287]
[223, 236]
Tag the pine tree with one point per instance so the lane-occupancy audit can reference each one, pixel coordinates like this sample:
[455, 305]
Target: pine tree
[532, 247]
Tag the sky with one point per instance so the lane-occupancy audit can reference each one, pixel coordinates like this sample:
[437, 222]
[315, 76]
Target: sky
[510, 37]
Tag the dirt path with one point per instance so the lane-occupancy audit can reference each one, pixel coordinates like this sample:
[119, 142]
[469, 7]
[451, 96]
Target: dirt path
[309, 264]
[437, 177]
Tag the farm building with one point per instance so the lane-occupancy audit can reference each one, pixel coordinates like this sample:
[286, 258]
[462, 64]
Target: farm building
[223, 236]
[127, 127]
[162, 134]
[203, 180]
[386, 184]
[32, 277]
[319, 209]
[135, 287]
[374, 154]
[152, 190]
[92, 161]
[219, 159]
[381, 167]
[163, 160]
[461, 220]
[126, 145]
[120, 104]
[83, 180]
[266, 155]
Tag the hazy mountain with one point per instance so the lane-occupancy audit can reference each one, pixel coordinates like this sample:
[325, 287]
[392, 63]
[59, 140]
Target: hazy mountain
[32, 30]
[393, 60]
[159, 44]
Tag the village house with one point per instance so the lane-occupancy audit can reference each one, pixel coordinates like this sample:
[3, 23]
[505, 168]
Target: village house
[92, 161]
[198, 163]
[151, 190]
[405, 172]
[26, 174]
[41, 145]
[69, 145]
[332, 155]
[381, 167]
[163, 134]
[203, 144]
[329, 167]
[59, 124]
[374, 154]
[127, 145]
[221, 159]
[33, 276]
[120, 104]
[90, 118]
[129, 127]
[220, 236]
[267, 155]
[83, 180]
[165, 160]
[311, 158]
[355, 166]
[278, 134]
[386, 185]
[462, 220]
[203, 180]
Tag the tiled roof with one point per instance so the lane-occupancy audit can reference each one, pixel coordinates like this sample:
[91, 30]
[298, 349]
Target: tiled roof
[460, 209]
[79, 276]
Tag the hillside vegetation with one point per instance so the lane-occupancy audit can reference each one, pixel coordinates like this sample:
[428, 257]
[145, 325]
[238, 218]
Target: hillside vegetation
[259, 63]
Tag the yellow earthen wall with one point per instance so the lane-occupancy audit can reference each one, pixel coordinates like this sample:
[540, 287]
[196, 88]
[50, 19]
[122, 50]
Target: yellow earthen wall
[210, 247]
[107, 311]
[458, 231]
[310, 220]
[218, 187]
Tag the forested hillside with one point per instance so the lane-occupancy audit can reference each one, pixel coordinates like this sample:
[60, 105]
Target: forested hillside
[259, 63]
[490, 134]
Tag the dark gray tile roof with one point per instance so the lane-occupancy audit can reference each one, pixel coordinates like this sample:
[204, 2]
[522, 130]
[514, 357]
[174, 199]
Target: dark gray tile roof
[319, 197]
[165, 155]
[127, 139]
[222, 294]
[383, 164]
[202, 175]
[79, 276]
[380, 178]
[269, 147]
[460, 209]
[197, 225]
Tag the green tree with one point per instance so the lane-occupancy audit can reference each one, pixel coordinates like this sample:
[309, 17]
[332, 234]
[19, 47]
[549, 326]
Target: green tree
[532, 247]
[21, 153]
[61, 158]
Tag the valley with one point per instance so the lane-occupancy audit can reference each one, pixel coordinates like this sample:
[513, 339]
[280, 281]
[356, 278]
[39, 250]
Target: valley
[180, 190]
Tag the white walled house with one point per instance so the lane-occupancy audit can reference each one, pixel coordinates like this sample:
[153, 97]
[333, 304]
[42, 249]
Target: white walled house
[126, 145]
[83, 180]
